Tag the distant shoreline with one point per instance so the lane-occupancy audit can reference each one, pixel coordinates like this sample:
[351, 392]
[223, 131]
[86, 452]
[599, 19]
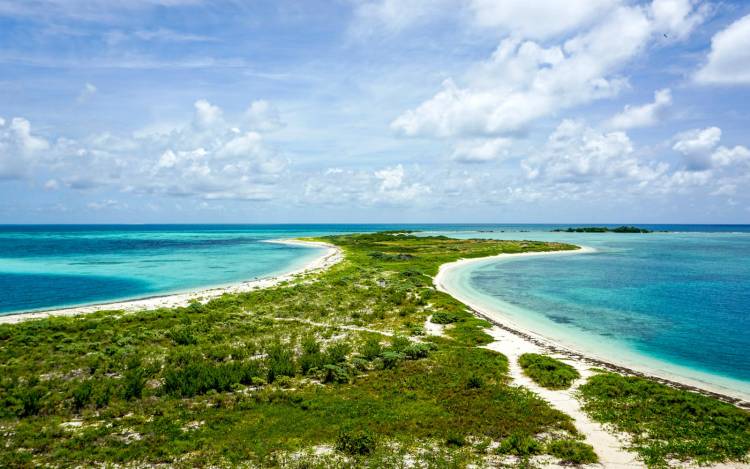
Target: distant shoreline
[499, 319]
[329, 257]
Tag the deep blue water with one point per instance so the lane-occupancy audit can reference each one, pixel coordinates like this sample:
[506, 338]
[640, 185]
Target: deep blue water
[681, 297]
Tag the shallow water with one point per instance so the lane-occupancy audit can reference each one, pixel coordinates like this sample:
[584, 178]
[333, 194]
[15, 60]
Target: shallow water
[674, 302]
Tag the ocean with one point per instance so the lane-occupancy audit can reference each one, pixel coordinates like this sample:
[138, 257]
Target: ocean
[676, 301]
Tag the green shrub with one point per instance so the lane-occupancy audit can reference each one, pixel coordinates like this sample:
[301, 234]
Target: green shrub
[133, 383]
[183, 335]
[665, 423]
[399, 343]
[31, 400]
[572, 452]
[391, 359]
[474, 382]
[336, 353]
[444, 317]
[520, 445]
[548, 372]
[102, 393]
[371, 349]
[335, 374]
[356, 442]
[456, 440]
[200, 377]
[280, 361]
[82, 394]
[416, 351]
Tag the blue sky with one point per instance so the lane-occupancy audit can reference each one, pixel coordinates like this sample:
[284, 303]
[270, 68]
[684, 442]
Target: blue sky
[374, 111]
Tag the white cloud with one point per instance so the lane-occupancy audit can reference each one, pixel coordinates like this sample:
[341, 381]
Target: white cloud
[538, 19]
[524, 80]
[389, 186]
[700, 150]
[729, 60]
[19, 148]
[481, 150]
[208, 158]
[263, 116]
[645, 115]
[677, 18]
[575, 153]
[206, 114]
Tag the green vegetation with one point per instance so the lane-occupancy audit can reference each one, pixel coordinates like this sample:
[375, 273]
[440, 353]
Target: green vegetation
[572, 452]
[602, 229]
[330, 369]
[547, 371]
[335, 360]
[665, 423]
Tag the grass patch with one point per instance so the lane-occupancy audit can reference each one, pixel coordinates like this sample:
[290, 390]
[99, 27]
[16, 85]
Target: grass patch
[667, 423]
[547, 371]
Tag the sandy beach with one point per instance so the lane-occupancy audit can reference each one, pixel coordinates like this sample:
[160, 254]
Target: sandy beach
[330, 256]
[536, 341]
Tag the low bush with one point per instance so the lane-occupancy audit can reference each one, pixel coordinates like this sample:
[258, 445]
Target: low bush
[336, 353]
[371, 349]
[444, 317]
[200, 377]
[183, 335]
[82, 395]
[356, 442]
[572, 452]
[133, 382]
[548, 372]
[520, 445]
[667, 424]
[279, 361]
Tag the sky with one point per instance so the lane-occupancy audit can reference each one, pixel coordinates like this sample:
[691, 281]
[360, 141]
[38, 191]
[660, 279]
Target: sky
[357, 111]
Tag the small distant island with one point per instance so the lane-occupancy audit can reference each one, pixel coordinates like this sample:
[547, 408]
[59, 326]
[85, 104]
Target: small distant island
[603, 229]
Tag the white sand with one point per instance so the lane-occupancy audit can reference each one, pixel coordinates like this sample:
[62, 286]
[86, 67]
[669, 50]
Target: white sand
[330, 256]
[513, 341]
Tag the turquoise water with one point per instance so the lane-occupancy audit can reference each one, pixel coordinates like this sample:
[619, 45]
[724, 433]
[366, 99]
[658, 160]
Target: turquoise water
[676, 302]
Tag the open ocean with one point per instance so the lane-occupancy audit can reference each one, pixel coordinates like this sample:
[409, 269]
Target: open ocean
[677, 301]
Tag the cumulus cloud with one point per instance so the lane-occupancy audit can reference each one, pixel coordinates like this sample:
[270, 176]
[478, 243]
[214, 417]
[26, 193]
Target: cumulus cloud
[19, 148]
[524, 80]
[481, 150]
[390, 186]
[645, 115]
[701, 151]
[207, 158]
[575, 153]
[729, 60]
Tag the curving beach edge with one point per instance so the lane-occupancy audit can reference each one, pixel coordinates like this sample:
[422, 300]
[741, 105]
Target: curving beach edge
[514, 340]
[329, 257]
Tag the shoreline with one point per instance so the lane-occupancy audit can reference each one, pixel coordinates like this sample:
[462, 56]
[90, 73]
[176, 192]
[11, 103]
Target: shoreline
[331, 256]
[500, 319]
